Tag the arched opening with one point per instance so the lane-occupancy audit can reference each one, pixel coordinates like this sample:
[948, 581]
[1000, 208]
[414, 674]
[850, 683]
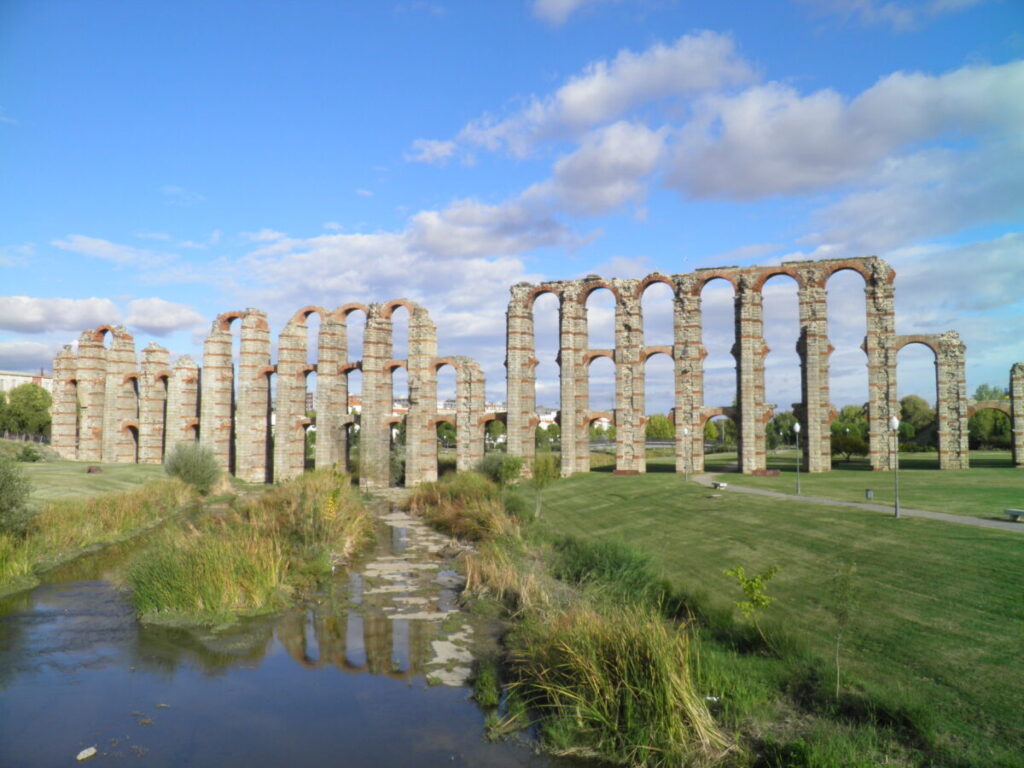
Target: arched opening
[990, 434]
[601, 377]
[847, 327]
[313, 338]
[781, 314]
[718, 336]
[917, 389]
[658, 308]
[720, 444]
[399, 414]
[132, 435]
[350, 451]
[848, 437]
[659, 399]
[399, 331]
[547, 386]
[163, 385]
[78, 413]
[445, 424]
[600, 314]
[270, 418]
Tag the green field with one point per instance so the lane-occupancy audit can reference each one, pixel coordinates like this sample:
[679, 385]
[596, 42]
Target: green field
[53, 480]
[985, 490]
[939, 626]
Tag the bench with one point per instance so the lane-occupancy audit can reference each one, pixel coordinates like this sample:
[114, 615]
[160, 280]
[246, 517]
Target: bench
[719, 486]
[1015, 514]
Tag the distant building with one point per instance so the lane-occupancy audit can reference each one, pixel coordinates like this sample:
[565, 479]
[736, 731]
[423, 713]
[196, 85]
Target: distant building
[11, 379]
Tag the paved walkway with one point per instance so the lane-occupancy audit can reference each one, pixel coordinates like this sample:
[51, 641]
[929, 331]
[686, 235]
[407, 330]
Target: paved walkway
[1007, 525]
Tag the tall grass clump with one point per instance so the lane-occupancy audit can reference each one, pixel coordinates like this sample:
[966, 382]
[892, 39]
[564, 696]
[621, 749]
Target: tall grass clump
[614, 684]
[15, 514]
[500, 468]
[195, 464]
[62, 529]
[466, 505]
[255, 557]
[612, 569]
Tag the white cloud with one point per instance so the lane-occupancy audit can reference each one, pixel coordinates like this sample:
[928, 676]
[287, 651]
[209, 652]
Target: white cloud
[900, 16]
[606, 90]
[557, 12]
[176, 195]
[431, 151]
[364, 193]
[605, 172]
[98, 248]
[770, 140]
[332, 226]
[264, 236]
[160, 317]
[26, 314]
[27, 356]
[16, 254]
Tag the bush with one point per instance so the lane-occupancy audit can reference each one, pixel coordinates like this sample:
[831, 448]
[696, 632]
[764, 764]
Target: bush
[195, 464]
[29, 453]
[500, 467]
[15, 514]
[621, 572]
[466, 505]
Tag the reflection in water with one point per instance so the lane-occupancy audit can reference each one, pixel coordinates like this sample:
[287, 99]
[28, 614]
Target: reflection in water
[340, 681]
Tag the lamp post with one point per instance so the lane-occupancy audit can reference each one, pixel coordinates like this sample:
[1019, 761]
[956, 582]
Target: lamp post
[687, 447]
[796, 428]
[894, 424]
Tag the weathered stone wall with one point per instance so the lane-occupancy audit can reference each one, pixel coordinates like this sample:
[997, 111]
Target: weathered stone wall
[217, 392]
[815, 411]
[64, 411]
[182, 424]
[153, 385]
[1017, 412]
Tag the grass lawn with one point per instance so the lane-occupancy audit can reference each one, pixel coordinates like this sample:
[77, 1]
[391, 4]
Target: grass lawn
[990, 486]
[939, 625]
[53, 480]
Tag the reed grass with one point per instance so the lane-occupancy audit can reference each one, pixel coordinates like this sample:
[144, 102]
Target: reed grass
[62, 529]
[466, 505]
[256, 557]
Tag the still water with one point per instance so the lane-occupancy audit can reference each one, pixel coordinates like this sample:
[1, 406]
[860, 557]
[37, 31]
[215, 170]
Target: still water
[370, 674]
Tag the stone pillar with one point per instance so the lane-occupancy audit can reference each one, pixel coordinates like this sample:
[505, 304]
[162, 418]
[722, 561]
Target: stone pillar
[92, 384]
[1017, 412]
[750, 350]
[814, 349]
[153, 403]
[182, 403]
[521, 374]
[252, 416]
[880, 348]
[375, 431]
[121, 400]
[420, 436]
[469, 412]
[217, 398]
[290, 400]
[331, 393]
[572, 332]
[630, 442]
[64, 419]
[951, 402]
[688, 359]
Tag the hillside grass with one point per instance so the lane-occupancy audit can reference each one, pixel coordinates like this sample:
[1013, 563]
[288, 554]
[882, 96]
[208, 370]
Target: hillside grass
[53, 480]
[932, 657]
[985, 490]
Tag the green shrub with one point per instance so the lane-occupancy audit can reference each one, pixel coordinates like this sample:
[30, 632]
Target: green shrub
[29, 454]
[500, 467]
[466, 505]
[515, 504]
[195, 464]
[15, 515]
[619, 571]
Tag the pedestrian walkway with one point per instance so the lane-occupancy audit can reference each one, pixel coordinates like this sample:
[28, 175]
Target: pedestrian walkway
[708, 478]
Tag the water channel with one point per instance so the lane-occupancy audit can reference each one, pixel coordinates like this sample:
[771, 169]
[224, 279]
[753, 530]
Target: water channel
[370, 673]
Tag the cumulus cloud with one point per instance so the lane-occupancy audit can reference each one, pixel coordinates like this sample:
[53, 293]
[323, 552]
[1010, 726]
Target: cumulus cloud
[431, 151]
[771, 140]
[26, 314]
[606, 90]
[160, 317]
[557, 12]
[606, 171]
[27, 356]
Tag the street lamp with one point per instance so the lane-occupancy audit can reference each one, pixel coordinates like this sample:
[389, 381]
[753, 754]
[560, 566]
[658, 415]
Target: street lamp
[687, 447]
[894, 424]
[796, 428]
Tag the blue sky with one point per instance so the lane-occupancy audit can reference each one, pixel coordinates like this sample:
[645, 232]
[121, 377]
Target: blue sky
[161, 162]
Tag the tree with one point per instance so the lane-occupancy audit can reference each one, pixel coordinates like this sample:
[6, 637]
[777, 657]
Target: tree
[779, 430]
[916, 412]
[495, 429]
[15, 514]
[659, 427]
[754, 590]
[446, 434]
[991, 392]
[554, 433]
[4, 413]
[28, 410]
[842, 605]
[847, 441]
[710, 432]
[545, 472]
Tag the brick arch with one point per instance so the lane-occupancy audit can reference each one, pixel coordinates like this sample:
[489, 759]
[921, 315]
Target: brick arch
[391, 306]
[392, 365]
[392, 420]
[440, 362]
[597, 284]
[540, 290]
[492, 416]
[341, 313]
[115, 331]
[785, 270]
[995, 405]
[705, 276]
[133, 376]
[224, 320]
[438, 419]
[650, 352]
[302, 315]
[651, 279]
[710, 413]
[591, 416]
[899, 342]
[594, 354]
[832, 267]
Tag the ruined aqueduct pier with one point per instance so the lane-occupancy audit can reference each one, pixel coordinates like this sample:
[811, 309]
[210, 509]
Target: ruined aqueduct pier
[107, 407]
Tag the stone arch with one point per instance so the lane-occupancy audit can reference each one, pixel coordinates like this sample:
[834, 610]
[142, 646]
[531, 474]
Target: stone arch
[995, 405]
[131, 432]
[787, 270]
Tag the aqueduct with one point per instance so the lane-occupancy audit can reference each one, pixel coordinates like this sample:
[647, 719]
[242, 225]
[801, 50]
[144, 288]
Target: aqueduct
[107, 407]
